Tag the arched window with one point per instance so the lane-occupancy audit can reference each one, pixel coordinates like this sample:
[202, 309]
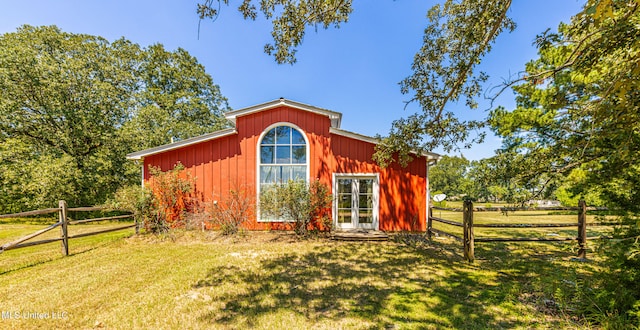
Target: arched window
[283, 156]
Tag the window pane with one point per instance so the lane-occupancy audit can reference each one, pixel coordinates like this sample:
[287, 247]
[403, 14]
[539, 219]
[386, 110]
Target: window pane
[283, 155]
[283, 135]
[299, 155]
[269, 138]
[266, 155]
[296, 137]
[299, 172]
[286, 174]
[269, 174]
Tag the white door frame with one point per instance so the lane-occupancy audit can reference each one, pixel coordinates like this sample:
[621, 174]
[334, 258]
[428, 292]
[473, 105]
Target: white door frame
[354, 206]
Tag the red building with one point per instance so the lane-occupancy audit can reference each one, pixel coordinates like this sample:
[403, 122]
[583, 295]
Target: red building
[281, 140]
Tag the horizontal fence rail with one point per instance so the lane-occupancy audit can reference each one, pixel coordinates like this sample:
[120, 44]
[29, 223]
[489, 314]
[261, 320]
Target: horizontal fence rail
[468, 238]
[63, 222]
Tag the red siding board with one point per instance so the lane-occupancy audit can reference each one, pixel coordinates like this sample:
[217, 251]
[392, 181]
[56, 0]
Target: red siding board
[231, 162]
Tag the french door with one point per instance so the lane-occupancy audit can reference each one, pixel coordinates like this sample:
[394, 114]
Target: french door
[356, 201]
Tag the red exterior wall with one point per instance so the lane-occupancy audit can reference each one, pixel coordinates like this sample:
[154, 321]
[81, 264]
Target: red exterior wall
[231, 162]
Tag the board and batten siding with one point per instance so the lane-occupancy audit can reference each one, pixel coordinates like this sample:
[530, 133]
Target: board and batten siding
[230, 162]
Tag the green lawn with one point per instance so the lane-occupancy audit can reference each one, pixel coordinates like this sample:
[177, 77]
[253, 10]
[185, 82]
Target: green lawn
[518, 217]
[273, 280]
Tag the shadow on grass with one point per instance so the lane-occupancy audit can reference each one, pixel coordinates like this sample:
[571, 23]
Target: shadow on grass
[384, 285]
[29, 257]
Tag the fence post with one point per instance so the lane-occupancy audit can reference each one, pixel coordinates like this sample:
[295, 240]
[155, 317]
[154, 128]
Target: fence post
[429, 223]
[582, 229]
[63, 227]
[467, 227]
[135, 219]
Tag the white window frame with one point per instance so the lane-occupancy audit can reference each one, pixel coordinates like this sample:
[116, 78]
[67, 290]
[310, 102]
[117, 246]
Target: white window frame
[376, 197]
[258, 164]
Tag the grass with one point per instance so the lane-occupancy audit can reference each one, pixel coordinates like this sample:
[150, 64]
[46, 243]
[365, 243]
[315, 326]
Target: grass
[518, 217]
[273, 280]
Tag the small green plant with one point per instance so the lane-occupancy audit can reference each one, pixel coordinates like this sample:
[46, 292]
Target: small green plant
[231, 211]
[135, 199]
[306, 205]
[441, 204]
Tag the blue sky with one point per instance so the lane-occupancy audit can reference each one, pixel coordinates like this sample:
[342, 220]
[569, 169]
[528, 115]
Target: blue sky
[354, 70]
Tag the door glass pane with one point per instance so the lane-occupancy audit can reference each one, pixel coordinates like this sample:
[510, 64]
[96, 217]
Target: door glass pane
[345, 200]
[344, 216]
[366, 186]
[365, 216]
[365, 201]
[344, 186]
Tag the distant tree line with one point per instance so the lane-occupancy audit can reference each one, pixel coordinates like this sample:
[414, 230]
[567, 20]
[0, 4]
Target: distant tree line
[494, 180]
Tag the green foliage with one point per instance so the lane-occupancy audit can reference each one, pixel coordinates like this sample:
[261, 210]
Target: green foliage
[575, 187]
[179, 100]
[577, 106]
[232, 211]
[73, 105]
[449, 176]
[290, 19]
[611, 298]
[459, 34]
[135, 199]
[165, 205]
[304, 204]
[578, 116]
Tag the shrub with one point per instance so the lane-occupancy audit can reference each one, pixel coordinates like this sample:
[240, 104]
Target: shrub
[231, 211]
[305, 204]
[173, 197]
[135, 199]
[621, 279]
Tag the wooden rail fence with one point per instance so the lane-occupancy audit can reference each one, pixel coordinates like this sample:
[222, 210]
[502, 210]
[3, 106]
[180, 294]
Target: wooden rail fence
[63, 223]
[468, 238]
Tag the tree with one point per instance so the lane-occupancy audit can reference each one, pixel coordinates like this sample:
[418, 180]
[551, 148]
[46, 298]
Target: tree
[499, 178]
[577, 106]
[73, 105]
[457, 37]
[179, 99]
[578, 114]
[449, 176]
